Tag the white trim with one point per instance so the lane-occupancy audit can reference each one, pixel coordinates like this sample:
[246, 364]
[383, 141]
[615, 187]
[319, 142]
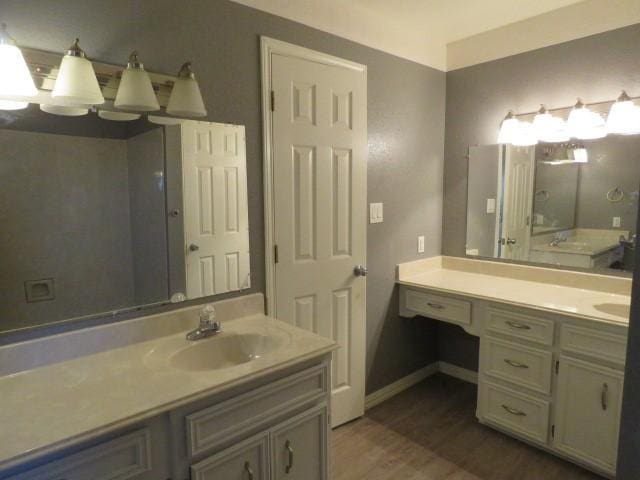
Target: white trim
[269, 47]
[458, 372]
[393, 389]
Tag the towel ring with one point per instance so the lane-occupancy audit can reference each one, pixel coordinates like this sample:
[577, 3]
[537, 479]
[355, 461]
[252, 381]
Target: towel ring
[615, 195]
[543, 194]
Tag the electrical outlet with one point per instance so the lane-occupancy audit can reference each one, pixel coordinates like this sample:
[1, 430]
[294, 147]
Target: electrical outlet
[616, 221]
[421, 244]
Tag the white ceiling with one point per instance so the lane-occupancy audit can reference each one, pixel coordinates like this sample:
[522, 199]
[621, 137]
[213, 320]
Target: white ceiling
[418, 30]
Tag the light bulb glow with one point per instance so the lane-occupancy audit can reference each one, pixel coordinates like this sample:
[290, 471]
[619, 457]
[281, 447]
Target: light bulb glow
[624, 118]
[16, 82]
[12, 105]
[507, 130]
[524, 135]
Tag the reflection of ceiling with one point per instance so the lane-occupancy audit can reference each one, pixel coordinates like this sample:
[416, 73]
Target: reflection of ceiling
[420, 30]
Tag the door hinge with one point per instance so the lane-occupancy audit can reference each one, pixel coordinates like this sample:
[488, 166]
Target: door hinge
[553, 431]
[273, 101]
[557, 366]
[275, 254]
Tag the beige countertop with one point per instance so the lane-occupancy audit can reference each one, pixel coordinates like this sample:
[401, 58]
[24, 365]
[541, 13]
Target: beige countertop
[585, 295]
[54, 406]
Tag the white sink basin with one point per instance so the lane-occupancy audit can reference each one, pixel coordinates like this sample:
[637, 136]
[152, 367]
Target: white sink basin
[575, 246]
[224, 350]
[617, 309]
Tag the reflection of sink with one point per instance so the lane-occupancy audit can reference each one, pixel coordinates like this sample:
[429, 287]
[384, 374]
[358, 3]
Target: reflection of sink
[227, 349]
[617, 309]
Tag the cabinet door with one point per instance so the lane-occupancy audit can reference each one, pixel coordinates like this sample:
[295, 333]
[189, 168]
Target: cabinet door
[587, 416]
[247, 460]
[299, 446]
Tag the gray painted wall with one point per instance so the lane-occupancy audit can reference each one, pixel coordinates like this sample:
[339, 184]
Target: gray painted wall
[405, 122]
[57, 194]
[595, 68]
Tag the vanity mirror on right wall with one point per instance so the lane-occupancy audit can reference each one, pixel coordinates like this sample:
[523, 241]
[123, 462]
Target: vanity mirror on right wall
[570, 204]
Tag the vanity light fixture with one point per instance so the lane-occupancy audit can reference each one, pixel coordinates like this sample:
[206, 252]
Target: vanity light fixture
[118, 116]
[76, 84]
[524, 135]
[624, 116]
[585, 124]
[16, 83]
[64, 110]
[548, 128]
[508, 128]
[186, 99]
[135, 91]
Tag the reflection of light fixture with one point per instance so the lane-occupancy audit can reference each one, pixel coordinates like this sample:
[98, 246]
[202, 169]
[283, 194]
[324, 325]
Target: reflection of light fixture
[135, 91]
[624, 116]
[186, 99]
[77, 83]
[16, 83]
[118, 116]
[507, 128]
[165, 120]
[524, 135]
[566, 154]
[65, 110]
[548, 128]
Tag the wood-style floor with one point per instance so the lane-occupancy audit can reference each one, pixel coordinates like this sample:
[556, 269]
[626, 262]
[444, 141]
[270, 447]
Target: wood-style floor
[430, 432]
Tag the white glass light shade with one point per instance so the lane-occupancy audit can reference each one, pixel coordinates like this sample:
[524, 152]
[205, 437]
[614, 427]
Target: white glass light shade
[77, 83]
[118, 116]
[136, 92]
[542, 123]
[16, 82]
[557, 131]
[507, 129]
[624, 118]
[596, 128]
[12, 105]
[64, 110]
[186, 99]
[524, 135]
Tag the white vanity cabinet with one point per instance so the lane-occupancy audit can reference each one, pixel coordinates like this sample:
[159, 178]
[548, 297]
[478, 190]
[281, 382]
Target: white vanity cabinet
[551, 380]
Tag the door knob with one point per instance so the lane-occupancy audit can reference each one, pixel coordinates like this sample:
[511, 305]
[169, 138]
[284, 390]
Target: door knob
[511, 241]
[360, 271]
[193, 247]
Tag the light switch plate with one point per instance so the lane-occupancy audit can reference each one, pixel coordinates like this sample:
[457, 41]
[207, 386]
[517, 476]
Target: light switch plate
[616, 221]
[491, 205]
[375, 213]
[421, 244]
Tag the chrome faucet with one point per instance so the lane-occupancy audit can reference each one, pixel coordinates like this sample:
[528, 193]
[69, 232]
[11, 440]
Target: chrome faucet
[208, 325]
[557, 239]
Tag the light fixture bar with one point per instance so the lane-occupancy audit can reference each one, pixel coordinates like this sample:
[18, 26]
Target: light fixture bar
[599, 107]
[44, 70]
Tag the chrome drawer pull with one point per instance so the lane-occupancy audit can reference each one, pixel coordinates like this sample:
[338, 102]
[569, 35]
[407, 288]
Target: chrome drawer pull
[513, 411]
[247, 467]
[289, 465]
[519, 326]
[515, 364]
[437, 306]
[603, 398]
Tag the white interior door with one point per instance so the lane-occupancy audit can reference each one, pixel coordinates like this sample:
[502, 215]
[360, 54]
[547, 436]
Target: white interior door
[216, 225]
[319, 199]
[518, 201]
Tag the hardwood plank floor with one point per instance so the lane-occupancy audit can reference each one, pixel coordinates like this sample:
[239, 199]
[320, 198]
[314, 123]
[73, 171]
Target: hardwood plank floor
[430, 432]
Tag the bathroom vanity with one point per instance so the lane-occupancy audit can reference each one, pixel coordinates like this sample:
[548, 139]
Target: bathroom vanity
[552, 348]
[136, 400]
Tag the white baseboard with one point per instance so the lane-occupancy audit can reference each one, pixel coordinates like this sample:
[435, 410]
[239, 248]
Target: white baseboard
[393, 389]
[400, 385]
[458, 372]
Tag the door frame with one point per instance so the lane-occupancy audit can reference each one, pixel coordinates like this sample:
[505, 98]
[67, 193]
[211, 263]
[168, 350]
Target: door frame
[268, 47]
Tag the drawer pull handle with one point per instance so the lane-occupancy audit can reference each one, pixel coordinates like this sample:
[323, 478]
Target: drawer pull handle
[515, 364]
[603, 398]
[289, 465]
[514, 411]
[437, 306]
[518, 325]
[247, 467]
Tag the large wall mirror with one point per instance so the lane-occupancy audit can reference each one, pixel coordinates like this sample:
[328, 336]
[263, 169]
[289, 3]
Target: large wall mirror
[567, 204]
[100, 217]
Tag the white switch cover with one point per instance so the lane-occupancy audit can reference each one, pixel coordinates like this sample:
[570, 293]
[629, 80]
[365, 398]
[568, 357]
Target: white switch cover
[375, 213]
[421, 244]
[616, 221]
[491, 205]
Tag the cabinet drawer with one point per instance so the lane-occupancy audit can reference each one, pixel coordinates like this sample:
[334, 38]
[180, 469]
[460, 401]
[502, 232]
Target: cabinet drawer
[600, 344]
[439, 307]
[250, 411]
[300, 446]
[126, 457]
[521, 414]
[248, 459]
[519, 325]
[518, 364]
